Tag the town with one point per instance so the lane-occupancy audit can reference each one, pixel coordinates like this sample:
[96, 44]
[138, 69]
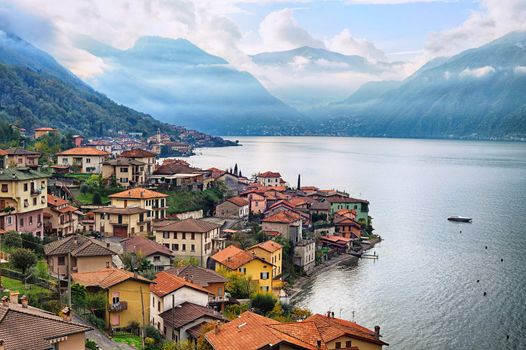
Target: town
[105, 243]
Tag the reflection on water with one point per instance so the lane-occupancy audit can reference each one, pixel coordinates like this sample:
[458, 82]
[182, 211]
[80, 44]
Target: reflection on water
[423, 290]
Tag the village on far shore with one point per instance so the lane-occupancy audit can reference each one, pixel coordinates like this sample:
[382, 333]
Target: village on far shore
[106, 236]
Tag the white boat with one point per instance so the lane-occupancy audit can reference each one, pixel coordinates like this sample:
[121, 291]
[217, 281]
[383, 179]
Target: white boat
[459, 219]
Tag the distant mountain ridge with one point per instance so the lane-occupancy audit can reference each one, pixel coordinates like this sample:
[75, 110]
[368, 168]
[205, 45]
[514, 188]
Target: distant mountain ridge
[179, 83]
[36, 91]
[479, 93]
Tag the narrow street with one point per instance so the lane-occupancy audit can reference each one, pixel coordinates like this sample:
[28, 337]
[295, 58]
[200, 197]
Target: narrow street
[102, 340]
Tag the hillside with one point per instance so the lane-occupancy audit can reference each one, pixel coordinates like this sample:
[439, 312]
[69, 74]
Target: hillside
[36, 91]
[479, 93]
[179, 83]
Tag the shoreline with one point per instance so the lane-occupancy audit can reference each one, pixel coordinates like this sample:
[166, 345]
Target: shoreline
[298, 285]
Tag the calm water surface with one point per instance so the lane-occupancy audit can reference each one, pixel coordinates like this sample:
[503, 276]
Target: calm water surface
[423, 290]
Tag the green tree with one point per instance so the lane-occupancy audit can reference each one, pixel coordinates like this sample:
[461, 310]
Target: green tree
[78, 295]
[33, 243]
[239, 287]
[263, 303]
[22, 259]
[94, 181]
[184, 261]
[96, 302]
[41, 270]
[12, 239]
[97, 198]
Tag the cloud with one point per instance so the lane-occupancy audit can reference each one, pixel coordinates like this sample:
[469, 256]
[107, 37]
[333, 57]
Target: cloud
[279, 30]
[520, 70]
[389, 2]
[494, 19]
[477, 72]
[343, 42]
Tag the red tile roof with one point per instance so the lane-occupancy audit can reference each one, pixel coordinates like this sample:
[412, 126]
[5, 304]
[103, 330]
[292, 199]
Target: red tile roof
[83, 151]
[137, 153]
[55, 201]
[282, 217]
[232, 257]
[166, 283]
[106, 278]
[45, 129]
[270, 246]
[240, 202]
[138, 193]
[269, 174]
[144, 246]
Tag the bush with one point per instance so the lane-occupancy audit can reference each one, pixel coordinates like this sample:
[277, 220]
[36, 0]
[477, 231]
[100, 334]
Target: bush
[41, 270]
[238, 286]
[84, 189]
[91, 345]
[95, 321]
[32, 242]
[152, 332]
[22, 259]
[263, 303]
[97, 198]
[12, 239]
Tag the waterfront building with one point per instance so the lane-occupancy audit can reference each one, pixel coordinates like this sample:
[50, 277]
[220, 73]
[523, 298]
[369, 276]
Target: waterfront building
[124, 291]
[190, 238]
[361, 206]
[270, 251]
[23, 198]
[233, 259]
[305, 254]
[83, 159]
[233, 208]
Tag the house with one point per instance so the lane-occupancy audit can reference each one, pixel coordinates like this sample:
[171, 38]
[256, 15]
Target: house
[190, 238]
[39, 132]
[346, 227]
[77, 140]
[251, 331]
[320, 210]
[122, 222]
[83, 159]
[236, 184]
[180, 322]
[60, 218]
[284, 223]
[23, 198]
[167, 293]
[19, 157]
[154, 202]
[270, 251]
[258, 203]
[127, 295]
[3, 159]
[85, 253]
[340, 244]
[101, 145]
[206, 278]
[305, 254]
[233, 259]
[269, 178]
[233, 208]
[285, 205]
[361, 206]
[160, 256]
[127, 172]
[178, 174]
[146, 157]
[23, 327]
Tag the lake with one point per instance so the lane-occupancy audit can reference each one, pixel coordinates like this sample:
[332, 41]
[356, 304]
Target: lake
[423, 290]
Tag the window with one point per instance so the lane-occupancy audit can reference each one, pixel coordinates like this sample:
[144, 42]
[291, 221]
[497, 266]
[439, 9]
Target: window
[31, 220]
[348, 344]
[184, 235]
[159, 306]
[264, 288]
[166, 235]
[193, 236]
[21, 222]
[175, 235]
[184, 247]
[123, 179]
[61, 260]
[26, 203]
[4, 188]
[153, 302]
[25, 187]
[243, 269]
[64, 160]
[9, 220]
[338, 345]
[263, 276]
[193, 248]
[156, 258]
[34, 201]
[124, 170]
[88, 160]
[116, 297]
[175, 247]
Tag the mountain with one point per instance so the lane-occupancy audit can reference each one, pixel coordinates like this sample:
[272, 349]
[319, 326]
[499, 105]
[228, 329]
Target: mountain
[37, 91]
[179, 83]
[479, 93]
[308, 77]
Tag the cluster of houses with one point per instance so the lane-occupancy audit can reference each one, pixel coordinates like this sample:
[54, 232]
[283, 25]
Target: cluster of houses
[179, 302]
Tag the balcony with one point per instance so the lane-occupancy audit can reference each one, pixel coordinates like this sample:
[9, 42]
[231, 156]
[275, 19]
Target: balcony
[118, 307]
[36, 191]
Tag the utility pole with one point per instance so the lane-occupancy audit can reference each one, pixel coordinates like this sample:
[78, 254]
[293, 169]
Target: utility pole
[173, 315]
[69, 279]
[142, 308]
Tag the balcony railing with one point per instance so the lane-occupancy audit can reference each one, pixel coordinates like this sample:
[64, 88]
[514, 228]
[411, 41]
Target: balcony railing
[36, 191]
[118, 307]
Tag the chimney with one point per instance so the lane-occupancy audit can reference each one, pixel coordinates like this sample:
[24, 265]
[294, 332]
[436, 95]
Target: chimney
[5, 301]
[24, 301]
[377, 332]
[216, 328]
[107, 244]
[66, 314]
[13, 297]
[318, 344]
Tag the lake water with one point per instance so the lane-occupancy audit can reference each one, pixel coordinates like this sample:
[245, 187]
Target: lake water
[423, 290]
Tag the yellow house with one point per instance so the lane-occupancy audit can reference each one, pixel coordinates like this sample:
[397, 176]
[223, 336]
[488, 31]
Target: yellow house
[153, 202]
[233, 259]
[124, 290]
[122, 222]
[23, 198]
[269, 251]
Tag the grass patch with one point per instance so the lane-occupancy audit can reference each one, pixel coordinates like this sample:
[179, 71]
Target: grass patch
[80, 177]
[87, 198]
[127, 338]
[181, 201]
[16, 285]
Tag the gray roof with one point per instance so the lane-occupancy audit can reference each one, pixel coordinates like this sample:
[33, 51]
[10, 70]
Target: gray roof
[16, 174]
[21, 152]
[188, 312]
[123, 161]
[78, 245]
[198, 275]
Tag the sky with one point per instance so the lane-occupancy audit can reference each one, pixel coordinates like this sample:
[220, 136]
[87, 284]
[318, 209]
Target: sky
[407, 31]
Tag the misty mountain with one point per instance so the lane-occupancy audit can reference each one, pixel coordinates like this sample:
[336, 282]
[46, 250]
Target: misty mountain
[479, 93]
[308, 77]
[178, 82]
[37, 91]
